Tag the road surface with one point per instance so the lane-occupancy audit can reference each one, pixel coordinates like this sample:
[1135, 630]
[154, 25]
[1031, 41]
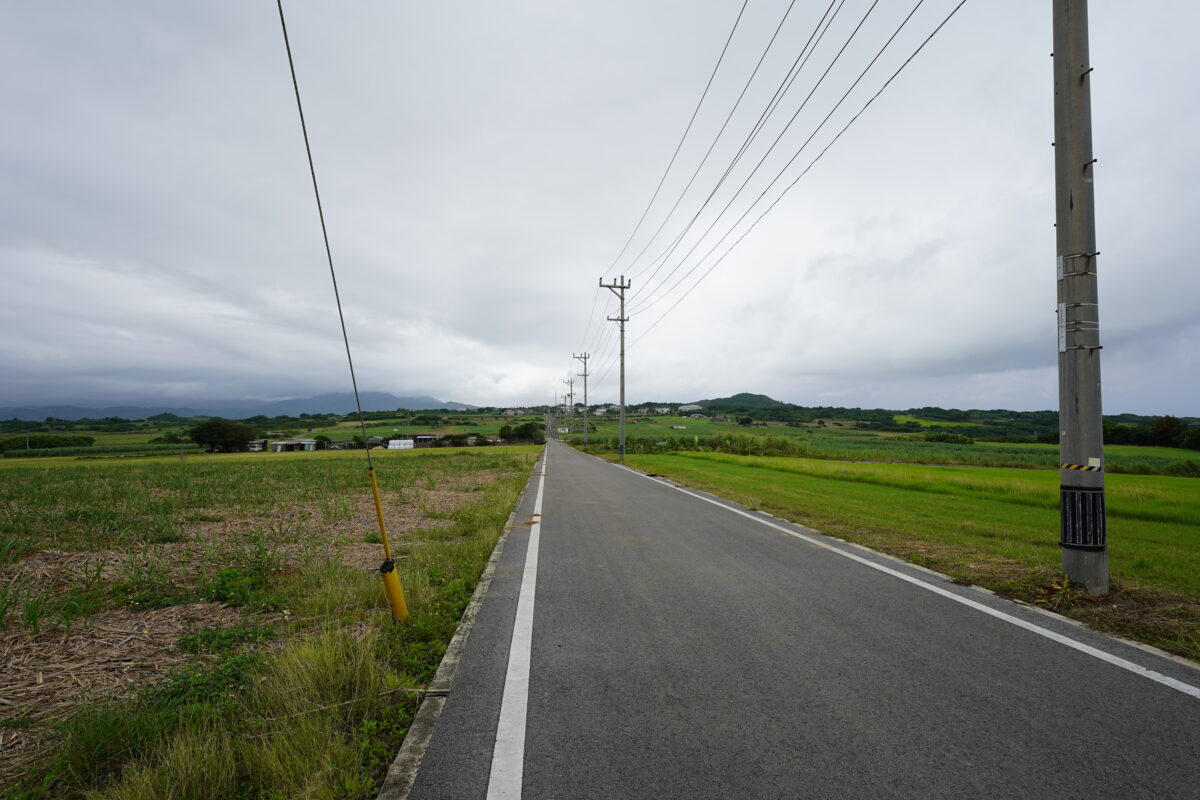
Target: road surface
[667, 646]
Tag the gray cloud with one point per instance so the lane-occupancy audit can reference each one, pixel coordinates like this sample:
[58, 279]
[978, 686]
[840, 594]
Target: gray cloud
[482, 166]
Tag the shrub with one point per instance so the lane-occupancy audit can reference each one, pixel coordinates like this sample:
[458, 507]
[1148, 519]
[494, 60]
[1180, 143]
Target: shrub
[948, 438]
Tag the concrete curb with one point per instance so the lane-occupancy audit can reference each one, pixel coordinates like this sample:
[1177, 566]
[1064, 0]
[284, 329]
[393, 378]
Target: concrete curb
[403, 772]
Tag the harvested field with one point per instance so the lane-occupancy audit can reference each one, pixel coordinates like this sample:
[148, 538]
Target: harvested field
[110, 576]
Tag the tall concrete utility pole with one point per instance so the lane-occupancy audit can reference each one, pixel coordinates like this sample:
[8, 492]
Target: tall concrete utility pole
[618, 288]
[570, 382]
[584, 359]
[1081, 426]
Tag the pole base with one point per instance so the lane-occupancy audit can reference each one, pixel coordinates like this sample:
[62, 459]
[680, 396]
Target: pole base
[395, 594]
[1088, 568]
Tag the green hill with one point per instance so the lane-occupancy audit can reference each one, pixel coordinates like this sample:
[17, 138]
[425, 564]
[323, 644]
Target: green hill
[742, 400]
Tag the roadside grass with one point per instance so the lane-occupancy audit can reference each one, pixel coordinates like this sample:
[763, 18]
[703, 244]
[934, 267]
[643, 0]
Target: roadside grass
[994, 528]
[311, 702]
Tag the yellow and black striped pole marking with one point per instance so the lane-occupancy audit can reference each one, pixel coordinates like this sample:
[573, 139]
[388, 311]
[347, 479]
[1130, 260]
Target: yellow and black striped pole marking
[391, 581]
[1080, 467]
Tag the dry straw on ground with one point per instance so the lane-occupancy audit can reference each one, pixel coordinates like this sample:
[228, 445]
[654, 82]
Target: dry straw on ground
[112, 653]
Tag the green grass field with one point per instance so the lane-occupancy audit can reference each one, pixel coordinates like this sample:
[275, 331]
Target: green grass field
[870, 446]
[928, 423]
[996, 527]
[264, 660]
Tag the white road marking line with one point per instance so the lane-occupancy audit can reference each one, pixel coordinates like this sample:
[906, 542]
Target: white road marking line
[1116, 661]
[508, 756]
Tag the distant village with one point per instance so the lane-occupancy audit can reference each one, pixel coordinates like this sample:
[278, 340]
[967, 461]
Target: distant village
[278, 442]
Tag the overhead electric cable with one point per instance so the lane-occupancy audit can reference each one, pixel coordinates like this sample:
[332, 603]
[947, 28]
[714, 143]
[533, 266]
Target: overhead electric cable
[651, 300]
[772, 104]
[784, 86]
[650, 291]
[390, 580]
[716, 138]
[683, 138]
[787, 189]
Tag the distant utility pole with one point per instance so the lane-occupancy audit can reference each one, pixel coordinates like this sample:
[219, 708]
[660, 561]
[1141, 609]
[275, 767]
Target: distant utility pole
[570, 382]
[551, 415]
[1081, 426]
[618, 288]
[584, 359]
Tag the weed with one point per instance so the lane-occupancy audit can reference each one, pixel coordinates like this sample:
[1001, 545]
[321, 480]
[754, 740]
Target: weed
[146, 582]
[95, 742]
[77, 604]
[221, 639]
[34, 607]
[335, 508]
[18, 722]
[1058, 594]
[11, 549]
[10, 597]
[249, 588]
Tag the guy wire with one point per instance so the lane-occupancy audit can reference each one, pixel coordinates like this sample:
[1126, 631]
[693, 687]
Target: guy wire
[325, 235]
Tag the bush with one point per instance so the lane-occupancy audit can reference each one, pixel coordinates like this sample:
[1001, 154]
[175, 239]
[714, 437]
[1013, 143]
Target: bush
[1183, 468]
[222, 436]
[948, 438]
[44, 442]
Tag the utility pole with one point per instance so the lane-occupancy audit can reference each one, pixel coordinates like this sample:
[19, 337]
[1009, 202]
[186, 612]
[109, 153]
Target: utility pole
[618, 288]
[551, 416]
[1081, 426]
[584, 359]
[570, 382]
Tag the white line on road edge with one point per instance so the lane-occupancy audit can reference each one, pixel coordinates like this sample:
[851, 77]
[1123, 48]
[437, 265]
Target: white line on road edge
[508, 756]
[1117, 661]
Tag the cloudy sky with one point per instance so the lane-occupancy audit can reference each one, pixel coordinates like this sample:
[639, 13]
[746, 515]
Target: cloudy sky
[483, 164]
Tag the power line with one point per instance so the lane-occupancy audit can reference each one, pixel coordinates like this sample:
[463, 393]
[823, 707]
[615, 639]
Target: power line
[679, 146]
[790, 77]
[650, 301]
[787, 189]
[757, 166]
[716, 138]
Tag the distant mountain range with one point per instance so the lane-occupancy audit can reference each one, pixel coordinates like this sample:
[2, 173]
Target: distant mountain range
[331, 403]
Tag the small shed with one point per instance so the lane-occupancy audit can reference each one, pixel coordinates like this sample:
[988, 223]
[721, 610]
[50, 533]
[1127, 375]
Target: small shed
[293, 445]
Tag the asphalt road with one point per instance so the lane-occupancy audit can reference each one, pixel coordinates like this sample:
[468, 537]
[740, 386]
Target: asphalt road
[680, 650]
